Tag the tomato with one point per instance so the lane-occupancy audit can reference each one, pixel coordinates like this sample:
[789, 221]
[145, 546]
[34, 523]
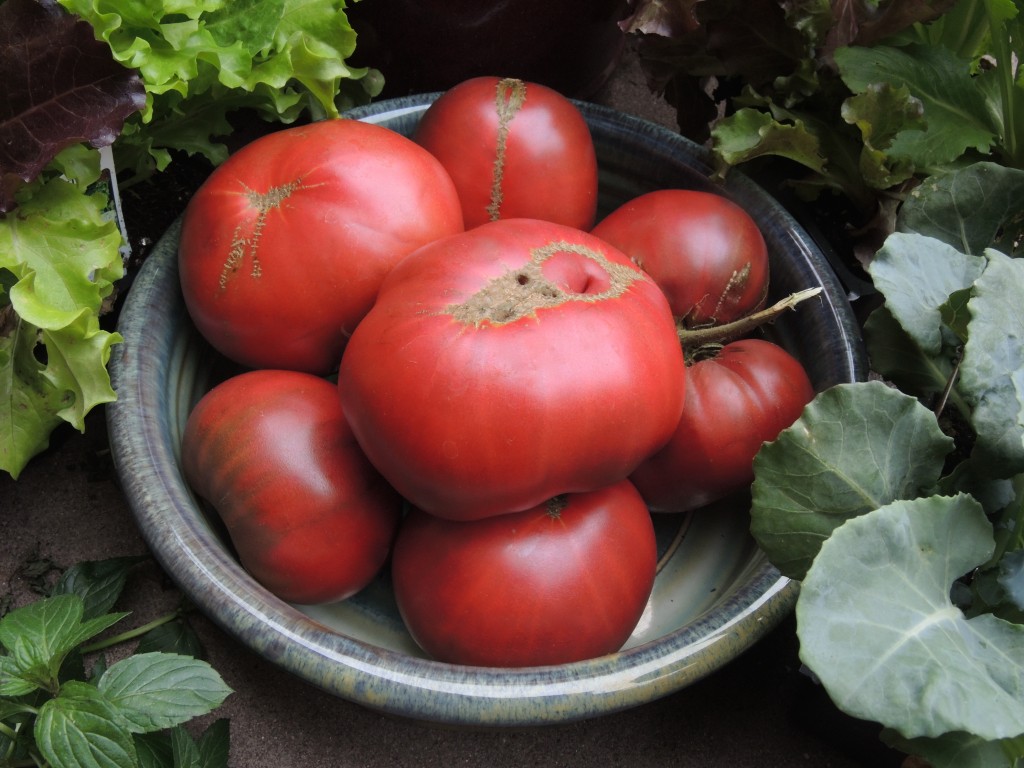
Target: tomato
[705, 251]
[310, 518]
[565, 581]
[735, 401]
[282, 250]
[515, 150]
[509, 364]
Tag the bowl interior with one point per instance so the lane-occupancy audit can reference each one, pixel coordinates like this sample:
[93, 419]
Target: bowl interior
[715, 593]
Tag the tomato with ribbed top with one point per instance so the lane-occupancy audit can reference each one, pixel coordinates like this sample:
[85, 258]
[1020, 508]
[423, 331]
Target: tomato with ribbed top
[509, 364]
[284, 246]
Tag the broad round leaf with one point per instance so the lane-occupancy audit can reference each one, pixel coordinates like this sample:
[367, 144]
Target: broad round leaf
[990, 376]
[917, 275]
[877, 626]
[856, 447]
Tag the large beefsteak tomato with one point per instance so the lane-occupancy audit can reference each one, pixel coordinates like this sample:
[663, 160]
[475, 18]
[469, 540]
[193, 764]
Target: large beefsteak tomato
[562, 582]
[705, 251]
[271, 451]
[736, 400]
[284, 246]
[515, 150]
[509, 364]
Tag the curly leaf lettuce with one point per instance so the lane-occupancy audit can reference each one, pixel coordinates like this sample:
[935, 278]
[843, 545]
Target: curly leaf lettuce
[202, 60]
[60, 255]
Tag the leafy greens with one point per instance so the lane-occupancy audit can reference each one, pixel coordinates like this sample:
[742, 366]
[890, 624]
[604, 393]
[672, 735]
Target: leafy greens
[907, 525]
[145, 81]
[899, 503]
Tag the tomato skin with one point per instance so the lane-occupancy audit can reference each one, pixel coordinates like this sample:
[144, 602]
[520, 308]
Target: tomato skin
[541, 152]
[744, 396]
[475, 417]
[283, 248]
[705, 252]
[271, 451]
[529, 588]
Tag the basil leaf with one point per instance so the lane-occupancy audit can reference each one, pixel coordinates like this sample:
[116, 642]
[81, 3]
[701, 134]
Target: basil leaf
[160, 690]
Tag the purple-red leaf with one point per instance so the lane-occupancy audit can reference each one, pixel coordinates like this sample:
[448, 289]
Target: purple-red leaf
[60, 87]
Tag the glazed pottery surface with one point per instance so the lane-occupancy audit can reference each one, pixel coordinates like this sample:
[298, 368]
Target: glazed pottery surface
[715, 593]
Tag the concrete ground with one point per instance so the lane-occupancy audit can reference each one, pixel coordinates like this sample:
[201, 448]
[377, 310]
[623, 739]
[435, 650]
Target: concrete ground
[758, 711]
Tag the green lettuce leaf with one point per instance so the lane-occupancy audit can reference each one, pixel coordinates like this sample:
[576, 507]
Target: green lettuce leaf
[61, 251]
[201, 60]
[956, 111]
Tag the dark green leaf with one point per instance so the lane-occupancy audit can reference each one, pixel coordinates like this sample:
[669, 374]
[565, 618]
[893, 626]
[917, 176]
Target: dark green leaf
[958, 750]
[80, 728]
[877, 626]
[175, 747]
[214, 744]
[99, 582]
[971, 209]
[954, 313]
[160, 690]
[855, 448]
[897, 357]
[173, 637]
[154, 749]
[184, 749]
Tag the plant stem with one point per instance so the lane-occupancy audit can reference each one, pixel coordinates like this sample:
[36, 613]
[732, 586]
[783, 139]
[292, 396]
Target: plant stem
[692, 338]
[9, 732]
[131, 634]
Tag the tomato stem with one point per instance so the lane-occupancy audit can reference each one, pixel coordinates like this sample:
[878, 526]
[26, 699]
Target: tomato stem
[693, 338]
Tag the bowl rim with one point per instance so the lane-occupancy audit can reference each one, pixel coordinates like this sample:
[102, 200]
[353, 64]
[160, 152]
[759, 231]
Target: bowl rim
[375, 677]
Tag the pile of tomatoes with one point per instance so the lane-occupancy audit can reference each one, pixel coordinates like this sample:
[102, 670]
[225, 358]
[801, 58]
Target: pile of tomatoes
[455, 372]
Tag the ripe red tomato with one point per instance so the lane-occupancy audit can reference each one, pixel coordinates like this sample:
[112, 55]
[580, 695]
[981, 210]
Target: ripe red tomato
[515, 150]
[310, 518]
[565, 581]
[509, 364]
[283, 248]
[735, 401]
[704, 250]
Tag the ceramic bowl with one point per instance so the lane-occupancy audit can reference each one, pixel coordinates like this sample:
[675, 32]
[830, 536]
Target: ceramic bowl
[715, 593]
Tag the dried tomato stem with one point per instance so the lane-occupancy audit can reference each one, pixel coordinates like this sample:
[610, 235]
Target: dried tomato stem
[692, 338]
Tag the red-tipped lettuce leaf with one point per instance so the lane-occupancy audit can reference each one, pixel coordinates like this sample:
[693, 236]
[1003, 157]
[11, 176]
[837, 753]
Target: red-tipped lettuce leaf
[61, 87]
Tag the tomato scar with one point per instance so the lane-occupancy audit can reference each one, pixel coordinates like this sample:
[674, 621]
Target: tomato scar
[263, 203]
[520, 292]
[510, 95]
[555, 506]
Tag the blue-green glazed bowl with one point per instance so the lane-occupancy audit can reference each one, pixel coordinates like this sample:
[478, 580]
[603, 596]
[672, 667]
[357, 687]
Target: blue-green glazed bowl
[715, 594]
